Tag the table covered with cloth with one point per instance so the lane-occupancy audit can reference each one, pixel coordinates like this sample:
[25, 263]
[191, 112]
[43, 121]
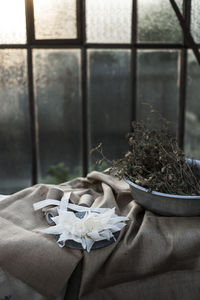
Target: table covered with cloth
[154, 257]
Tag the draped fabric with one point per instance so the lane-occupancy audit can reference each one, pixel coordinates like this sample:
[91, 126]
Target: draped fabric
[154, 257]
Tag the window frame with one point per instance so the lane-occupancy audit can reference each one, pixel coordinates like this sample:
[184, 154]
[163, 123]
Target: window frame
[82, 44]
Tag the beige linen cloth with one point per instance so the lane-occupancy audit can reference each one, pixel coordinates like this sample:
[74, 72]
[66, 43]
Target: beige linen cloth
[156, 258]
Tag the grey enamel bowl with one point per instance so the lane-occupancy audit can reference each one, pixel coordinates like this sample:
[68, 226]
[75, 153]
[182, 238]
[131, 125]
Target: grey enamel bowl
[166, 204]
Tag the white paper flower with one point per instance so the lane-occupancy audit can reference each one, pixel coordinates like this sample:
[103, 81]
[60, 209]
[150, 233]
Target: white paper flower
[96, 225]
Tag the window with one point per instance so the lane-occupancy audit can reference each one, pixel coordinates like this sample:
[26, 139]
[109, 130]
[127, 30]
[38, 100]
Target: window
[76, 72]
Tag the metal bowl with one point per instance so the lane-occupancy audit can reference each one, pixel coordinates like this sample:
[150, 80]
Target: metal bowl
[166, 204]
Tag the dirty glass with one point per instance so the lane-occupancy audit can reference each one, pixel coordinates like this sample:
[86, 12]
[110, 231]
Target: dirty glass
[109, 100]
[157, 21]
[12, 22]
[55, 19]
[195, 20]
[192, 116]
[57, 93]
[15, 146]
[158, 86]
[108, 21]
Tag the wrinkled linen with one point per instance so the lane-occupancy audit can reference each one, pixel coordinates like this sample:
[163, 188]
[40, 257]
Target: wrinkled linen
[154, 257]
[12, 288]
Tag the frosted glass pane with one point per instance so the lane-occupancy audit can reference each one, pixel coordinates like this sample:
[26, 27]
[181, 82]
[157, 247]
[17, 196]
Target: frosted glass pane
[109, 96]
[157, 21]
[15, 158]
[158, 85]
[57, 83]
[108, 21]
[192, 117]
[195, 20]
[12, 22]
[55, 19]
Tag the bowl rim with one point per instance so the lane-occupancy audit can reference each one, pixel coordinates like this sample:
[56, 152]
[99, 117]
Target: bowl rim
[158, 193]
[138, 187]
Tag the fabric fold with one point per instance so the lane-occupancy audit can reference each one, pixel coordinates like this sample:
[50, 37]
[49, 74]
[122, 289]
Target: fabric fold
[154, 257]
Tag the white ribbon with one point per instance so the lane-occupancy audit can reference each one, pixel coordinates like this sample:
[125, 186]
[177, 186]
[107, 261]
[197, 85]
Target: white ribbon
[64, 204]
[96, 225]
[44, 203]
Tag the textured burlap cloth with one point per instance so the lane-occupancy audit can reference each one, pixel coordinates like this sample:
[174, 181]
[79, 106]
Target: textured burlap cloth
[154, 257]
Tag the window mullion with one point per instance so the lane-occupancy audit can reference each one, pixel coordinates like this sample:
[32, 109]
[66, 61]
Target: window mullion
[183, 79]
[85, 147]
[30, 21]
[32, 105]
[134, 62]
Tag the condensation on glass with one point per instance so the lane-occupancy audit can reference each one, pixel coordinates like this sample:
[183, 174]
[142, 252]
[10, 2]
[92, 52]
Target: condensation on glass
[158, 86]
[109, 101]
[57, 93]
[195, 20]
[15, 146]
[108, 21]
[12, 22]
[55, 19]
[157, 21]
[192, 115]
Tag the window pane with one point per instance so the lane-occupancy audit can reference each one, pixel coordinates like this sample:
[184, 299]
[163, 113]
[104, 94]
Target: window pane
[192, 120]
[158, 85]
[195, 20]
[157, 22]
[109, 92]
[57, 82]
[12, 22]
[15, 159]
[108, 21]
[55, 19]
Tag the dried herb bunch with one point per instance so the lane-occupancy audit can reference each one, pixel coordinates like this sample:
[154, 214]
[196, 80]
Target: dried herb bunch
[155, 161]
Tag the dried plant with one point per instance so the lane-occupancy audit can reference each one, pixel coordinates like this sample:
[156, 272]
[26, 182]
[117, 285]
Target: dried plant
[155, 161]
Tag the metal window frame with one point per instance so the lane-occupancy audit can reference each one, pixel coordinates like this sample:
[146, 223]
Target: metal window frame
[183, 79]
[81, 43]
